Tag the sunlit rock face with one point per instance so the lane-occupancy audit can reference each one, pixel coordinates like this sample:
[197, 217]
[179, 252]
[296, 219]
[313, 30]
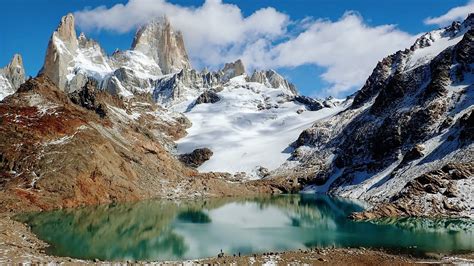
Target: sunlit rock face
[272, 79]
[62, 48]
[159, 41]
[11, 76]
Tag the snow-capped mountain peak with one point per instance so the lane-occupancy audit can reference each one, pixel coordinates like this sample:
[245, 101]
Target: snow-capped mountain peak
[11, 76]
[70, 60]
[430, 44]
[415, 59]
[156, 50]
[233, 69]
[272, 79]
[66, 32]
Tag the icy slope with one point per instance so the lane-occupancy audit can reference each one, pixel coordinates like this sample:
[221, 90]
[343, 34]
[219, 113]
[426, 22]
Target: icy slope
[242, 137]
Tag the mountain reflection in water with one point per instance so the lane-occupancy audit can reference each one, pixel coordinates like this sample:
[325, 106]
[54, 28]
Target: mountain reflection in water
[167, 230]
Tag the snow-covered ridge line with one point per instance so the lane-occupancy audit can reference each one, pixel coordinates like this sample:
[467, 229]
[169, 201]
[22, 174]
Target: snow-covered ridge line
[433, 43]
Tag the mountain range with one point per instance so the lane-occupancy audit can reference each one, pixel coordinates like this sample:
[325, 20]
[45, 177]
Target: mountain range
[95, 128]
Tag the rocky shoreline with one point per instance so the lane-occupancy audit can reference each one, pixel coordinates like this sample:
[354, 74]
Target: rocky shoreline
[432, 194]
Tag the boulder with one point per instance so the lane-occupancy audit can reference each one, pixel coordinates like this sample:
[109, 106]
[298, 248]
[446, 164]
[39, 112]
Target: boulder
[209, 96]
[262, 172]
[451, 191]
[196, 158]
[415, 153]
[310, 103]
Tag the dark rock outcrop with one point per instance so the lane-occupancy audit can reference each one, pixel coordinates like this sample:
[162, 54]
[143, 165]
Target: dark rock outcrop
[415, 153]
[86, 98]
[196, 158]
[467, 127]
[209, 96]
[431, 194]
[310, 103]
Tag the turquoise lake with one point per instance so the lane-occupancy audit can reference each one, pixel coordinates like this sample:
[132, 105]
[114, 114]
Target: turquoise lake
[168, 230]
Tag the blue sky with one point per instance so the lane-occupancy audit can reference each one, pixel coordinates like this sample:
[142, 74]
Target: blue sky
[28, 24]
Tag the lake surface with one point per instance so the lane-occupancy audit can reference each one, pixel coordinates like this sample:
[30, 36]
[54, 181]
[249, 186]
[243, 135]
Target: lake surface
[166, 230]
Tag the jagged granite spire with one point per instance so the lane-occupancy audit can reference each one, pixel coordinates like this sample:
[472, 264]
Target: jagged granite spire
[60, 52]
[11, 76]
[66, 31]
[161, 42]
[234, 69]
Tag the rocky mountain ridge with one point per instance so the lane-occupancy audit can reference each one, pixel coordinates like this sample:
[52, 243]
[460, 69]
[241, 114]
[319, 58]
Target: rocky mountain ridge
[411, 117]
[156, 64]
[71, 60]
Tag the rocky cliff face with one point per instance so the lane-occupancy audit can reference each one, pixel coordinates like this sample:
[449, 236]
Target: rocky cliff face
[232, 70]
[272, 79]
[11, 76]
[159, 41]
[405, 121]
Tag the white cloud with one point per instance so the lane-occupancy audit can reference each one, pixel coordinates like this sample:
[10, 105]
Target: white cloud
[457, 13]
[216, 33]
[348, 49]
[213, 32]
